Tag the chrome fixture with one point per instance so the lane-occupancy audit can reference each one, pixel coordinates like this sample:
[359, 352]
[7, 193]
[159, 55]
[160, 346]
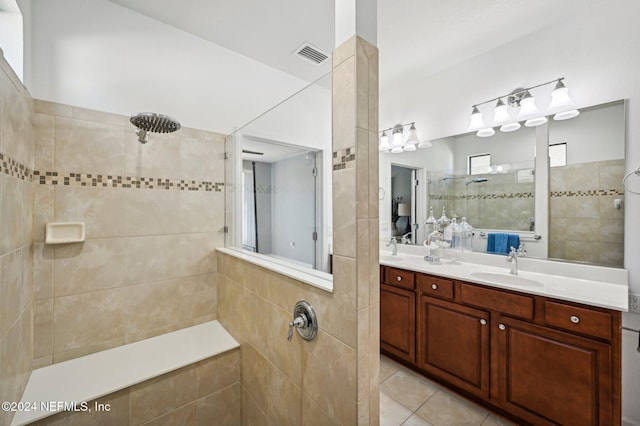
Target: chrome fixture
[392, 139]
[561, 107]
[304, 320]
[475, 180]
[512, 258]
[394, 243]
[152, 122]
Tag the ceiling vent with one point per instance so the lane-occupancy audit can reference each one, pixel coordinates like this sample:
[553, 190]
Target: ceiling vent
[311, 53]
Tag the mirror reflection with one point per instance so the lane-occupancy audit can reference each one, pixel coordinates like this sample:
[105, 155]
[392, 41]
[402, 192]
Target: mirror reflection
[570, 207]
[278, 197]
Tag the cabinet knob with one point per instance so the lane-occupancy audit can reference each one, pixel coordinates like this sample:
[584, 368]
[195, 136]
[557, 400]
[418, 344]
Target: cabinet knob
[399, 278]
[483, 321]
[434, 286]
[574, 319]
[502, 327]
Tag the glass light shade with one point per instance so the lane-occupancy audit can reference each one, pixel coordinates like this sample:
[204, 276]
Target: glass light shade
[510, 127]
[413, 135]
[384, 142]
[565, 115]
[485, 133]
[528, 108]
[396, 150]
[409, 147]
[560, 99]
[501, 114]
[397, 138]
[476, 122]
[533, 122]
[425, 144]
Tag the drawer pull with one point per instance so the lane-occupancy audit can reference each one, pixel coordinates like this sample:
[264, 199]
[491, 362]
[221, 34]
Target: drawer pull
[483, 321]
[574, 319]
[502, 327]
[434, 286]
[399, 278]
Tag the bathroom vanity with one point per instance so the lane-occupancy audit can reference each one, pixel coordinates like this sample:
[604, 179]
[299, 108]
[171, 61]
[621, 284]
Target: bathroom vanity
[544, 349]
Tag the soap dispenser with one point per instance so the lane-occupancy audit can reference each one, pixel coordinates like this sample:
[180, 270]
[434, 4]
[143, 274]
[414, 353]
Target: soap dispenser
[467, 235]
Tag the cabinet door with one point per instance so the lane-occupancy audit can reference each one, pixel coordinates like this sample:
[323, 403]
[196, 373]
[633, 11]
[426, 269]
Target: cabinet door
[398, 322]
[453, 344]
[551, 377]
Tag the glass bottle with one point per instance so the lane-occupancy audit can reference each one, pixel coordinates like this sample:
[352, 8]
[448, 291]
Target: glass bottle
[467, 235]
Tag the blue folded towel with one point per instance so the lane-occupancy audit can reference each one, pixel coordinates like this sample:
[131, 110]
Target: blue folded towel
[501, 243]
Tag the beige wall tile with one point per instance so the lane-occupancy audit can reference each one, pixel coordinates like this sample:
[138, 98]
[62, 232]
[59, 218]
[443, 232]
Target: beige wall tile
[163, 394]
[256, 280]
[230, 302]
[363, 262]
[331, 385]
[611, 254]
[221, 408]
[52, 108]
[42, 362]
[102, 209]
[285, 291]
[15, 354]
[286, 356]
[11, 303]
[345, 51]
[157, 158]
[12, 214]
[362, 174]
[344, 105]
[89, 266]
[201, 211]
[151, 258]
[42, 328]
[101, 117]
[87, 323]
[160, 307]
[580, 229]
[183, 416]
[255, 375]
[285, 402]
[15, 123]
[44, 127]
[89, 147]
[118, 414]
[363, 366]
[42, 271]
[344, 213]
[252, 414]
[216, 373]
[193, 150]
[43, 210]
[579, 250]
[313, 415]
[373, 169]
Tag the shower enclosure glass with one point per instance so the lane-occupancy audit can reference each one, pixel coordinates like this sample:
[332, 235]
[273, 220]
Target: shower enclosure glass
[278, 187]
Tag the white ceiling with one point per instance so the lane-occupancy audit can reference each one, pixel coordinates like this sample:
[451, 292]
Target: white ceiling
[415, 37]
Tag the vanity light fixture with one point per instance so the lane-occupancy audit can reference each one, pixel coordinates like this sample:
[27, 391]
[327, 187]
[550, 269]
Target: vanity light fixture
[396, 144]
[561, 107]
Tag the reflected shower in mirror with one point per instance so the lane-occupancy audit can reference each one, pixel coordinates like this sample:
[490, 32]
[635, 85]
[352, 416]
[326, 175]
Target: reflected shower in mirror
[278, 182]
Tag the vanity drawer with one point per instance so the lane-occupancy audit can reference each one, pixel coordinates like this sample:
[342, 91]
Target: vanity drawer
[435, 287]
[400, 278]
[516, 305]
[578, 320]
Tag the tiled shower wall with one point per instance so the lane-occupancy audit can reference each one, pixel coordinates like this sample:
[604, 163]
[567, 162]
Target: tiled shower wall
[583, 223]
[153, 215]
[16, 266]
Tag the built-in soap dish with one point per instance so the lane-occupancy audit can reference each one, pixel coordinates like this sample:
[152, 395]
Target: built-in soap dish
[64, 232]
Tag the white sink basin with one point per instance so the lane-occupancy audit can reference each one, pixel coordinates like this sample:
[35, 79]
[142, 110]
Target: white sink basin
[506, 278]
[385, 258]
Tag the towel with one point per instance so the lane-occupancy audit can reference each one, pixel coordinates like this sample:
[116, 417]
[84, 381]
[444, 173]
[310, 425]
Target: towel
[501, 243]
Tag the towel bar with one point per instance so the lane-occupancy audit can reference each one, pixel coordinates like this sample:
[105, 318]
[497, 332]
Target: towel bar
[526, 237]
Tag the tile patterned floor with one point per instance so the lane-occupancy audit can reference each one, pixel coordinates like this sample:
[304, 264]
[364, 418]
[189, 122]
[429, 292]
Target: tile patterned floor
[409, 399]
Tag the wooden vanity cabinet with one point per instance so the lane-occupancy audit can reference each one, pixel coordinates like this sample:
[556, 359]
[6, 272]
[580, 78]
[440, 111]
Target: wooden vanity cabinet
[543, 361]
[398, 314]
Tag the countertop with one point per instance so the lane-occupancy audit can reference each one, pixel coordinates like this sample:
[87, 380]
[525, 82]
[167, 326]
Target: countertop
[590, 285]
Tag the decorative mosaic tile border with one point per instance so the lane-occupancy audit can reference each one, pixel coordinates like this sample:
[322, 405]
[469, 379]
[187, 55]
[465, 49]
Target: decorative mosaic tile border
[589, 193]
[112, 181]
[11, 167]
[483, 196]
[344, 159]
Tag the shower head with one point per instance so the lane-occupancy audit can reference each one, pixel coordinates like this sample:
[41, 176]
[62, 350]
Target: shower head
[475, 180]
[152, 122]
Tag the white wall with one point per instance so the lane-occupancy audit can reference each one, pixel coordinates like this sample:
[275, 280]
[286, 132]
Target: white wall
[98, 55]
[11, 41]
[596, 51]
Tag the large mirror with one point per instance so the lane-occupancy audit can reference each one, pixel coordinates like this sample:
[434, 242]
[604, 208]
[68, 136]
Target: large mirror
[278, 177]
[570, 207]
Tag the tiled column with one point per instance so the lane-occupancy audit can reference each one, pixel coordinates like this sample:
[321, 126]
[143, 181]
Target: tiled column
[355, 206]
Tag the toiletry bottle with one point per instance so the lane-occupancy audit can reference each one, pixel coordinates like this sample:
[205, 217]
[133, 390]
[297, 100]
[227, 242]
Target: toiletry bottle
[467, 235]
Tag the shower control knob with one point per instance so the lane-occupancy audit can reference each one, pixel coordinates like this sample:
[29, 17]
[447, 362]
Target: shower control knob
[305, 321]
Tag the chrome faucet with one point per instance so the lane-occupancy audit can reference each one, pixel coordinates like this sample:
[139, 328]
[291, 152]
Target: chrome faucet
[394, 250]
[405, 238]
[512, 258]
